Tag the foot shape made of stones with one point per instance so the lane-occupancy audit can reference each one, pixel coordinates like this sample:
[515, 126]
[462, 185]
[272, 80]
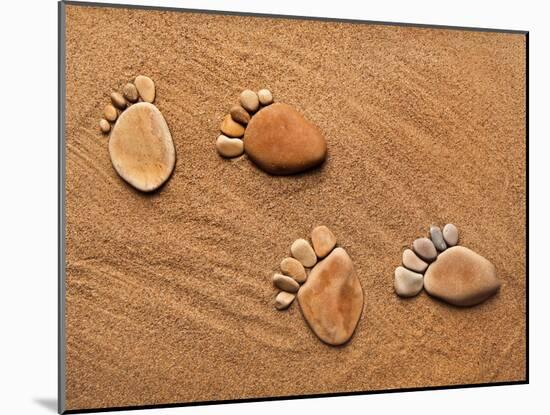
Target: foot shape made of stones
[140, 143]
[454, 274]
[276, 137]
[330, 297]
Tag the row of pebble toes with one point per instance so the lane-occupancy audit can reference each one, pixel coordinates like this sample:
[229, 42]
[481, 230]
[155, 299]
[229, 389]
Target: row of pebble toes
[304, 255]
[409, 279]
[229, 143]
[143, 87]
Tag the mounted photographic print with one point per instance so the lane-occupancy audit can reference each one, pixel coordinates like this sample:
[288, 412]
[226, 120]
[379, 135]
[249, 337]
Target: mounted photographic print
[259, 207]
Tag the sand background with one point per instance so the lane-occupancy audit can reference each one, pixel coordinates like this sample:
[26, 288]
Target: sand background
[169, 296]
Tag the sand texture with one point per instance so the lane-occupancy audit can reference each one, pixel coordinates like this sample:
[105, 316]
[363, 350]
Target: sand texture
[169, 295]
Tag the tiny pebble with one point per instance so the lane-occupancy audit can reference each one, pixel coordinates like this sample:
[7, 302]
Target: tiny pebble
[229, 147]
[118, 100]
[249, 100]
[265, 97]
[239, 114]
[231, 128]
[130, 92]
[285, 283]
[437, 238]
[283, 300]
[323, 241]
[450, 234]
[412, 262]
[110, 113]
[145, 87]
[294, 268]
[303, 252]
[104, 125]
[425, 249]
[407, 283]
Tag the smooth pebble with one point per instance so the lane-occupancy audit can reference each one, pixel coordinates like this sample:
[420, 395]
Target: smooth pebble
[450, 234]
[303, 252]
[229, 147]
[118, 100]
[130, 92]
[104, 125]
[412, 262]
[265, 97]
[239, 114]
[145, 87]
[110, 113]
[285, 283]
[437, 238]
[283, 300]
[231, 128]
[425, 249]
[249, 100]
[407, 283]
[323, 241]
[294, 268]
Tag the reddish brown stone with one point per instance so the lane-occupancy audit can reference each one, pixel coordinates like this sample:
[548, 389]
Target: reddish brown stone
[331, 299]
[281, 141]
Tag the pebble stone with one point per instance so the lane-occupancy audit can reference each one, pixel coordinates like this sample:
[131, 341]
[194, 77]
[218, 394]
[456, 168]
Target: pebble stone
[110, 113]
[265, 97]
[239, 114]
[450, 234]
[141, 147]
[303, 252]
[407, 283]
[229, 147]
[323, 241]
[130, 92]
[283, 300]
[249, 100]
[285, 283]
[331, 300]
[437, 238]
[280, 141]
[145, 87]
[104, 125]
[425, 249]
[461, 277]
[412, 262]
[231, 128]
[118, 100]
[294, 268]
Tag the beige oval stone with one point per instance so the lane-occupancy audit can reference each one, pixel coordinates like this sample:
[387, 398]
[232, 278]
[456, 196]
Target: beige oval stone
[118, 100]
[104, 126]
[281, 141]
[231, 128]
[283, 300]
[285, 283]
[303, 252]
[407, 283]
[461, 277]
[145, 87]
[265, 97]
[412, 262]
[130, 92]
[450, 234]
[425, 249]
[229, 147]
[110, 113]
[331, 300]
[141, 147]
[323, 240]
[294, 268]
[239, 114]
[437, 238]
[249, 100]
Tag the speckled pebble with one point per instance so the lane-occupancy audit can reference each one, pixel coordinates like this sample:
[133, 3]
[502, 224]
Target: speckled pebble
[437, 238]
[285, 283]
[450, 234]
[104, 126]
[265, 97]
[425, 249]
[130, 92]
[412, 262]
